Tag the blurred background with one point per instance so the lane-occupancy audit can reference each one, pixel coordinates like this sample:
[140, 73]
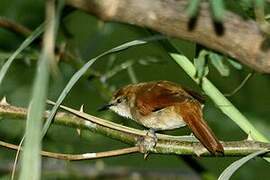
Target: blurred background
[83, 37]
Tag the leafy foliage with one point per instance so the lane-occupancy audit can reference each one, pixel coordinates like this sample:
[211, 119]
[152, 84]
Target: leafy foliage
[93, 81]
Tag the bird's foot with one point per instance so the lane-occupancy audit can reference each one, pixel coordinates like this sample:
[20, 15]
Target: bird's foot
[153, 137]
[147, 143]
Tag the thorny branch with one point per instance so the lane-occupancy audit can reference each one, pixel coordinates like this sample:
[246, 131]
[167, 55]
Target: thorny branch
[166, 144]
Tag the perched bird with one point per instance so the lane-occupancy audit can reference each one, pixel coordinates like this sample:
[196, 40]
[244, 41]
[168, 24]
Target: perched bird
[164, 105]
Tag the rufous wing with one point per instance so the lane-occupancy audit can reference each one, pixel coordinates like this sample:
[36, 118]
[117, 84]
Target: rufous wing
[152, 97]
[192, 115]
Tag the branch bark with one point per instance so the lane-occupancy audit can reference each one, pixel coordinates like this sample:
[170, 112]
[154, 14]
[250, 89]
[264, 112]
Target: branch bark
[76, 157]
[236, 37]
[166, 144]
[14, 27]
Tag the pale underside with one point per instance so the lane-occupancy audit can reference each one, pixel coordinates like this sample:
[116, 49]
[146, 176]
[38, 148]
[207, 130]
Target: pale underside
[164, 119]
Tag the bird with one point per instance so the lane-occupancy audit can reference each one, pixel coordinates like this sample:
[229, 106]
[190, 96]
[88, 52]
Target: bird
[164, 105]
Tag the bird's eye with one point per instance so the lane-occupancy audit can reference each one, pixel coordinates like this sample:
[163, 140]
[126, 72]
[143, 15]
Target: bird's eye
[119, 100]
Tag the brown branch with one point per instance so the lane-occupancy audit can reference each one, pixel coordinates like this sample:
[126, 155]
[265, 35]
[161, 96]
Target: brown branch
[76, 157]
[239, 38]
[166, 144]
[14, 27]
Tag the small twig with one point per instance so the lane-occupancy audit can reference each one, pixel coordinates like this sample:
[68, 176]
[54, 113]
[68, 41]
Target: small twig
[20, 29]
[17, 158]
[240, 85]
[14, 27]
[76, 157]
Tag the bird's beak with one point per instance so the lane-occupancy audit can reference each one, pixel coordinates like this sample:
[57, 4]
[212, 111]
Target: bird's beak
[105, 107]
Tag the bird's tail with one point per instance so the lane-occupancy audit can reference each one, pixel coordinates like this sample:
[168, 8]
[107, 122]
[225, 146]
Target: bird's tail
[192, 115]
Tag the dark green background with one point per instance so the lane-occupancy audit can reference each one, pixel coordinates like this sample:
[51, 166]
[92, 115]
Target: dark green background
[91, 37]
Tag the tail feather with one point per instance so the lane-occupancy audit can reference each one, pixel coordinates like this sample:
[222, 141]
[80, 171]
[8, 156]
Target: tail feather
[206, 136]
[192, 115]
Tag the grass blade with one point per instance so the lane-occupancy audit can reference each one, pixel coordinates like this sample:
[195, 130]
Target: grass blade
[218, 10]
[85, 67]
[219, 99]
[32, 146]
[31, 159]
[228, 172]
[193, 7]
[25, 44]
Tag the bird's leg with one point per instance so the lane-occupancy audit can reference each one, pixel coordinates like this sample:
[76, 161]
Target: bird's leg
[151, 133]
[148, 142]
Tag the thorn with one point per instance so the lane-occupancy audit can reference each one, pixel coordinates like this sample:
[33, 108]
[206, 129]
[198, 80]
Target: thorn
[47, 111]
[249, 138]
[199, 150]
[4, 101]
[79, 131]
[198, 153]
[81, 108]
[145, 156]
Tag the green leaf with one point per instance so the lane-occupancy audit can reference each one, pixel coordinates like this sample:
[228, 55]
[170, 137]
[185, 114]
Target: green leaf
[217, 10]
[200, 64]
[218, 63]
[85, 67]
[228, 172]
[193, 7]
[235, 64]
[25, 44]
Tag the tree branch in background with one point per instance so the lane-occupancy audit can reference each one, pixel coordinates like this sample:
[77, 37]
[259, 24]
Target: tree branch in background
[14, 27]
[236, 37]
[77, 157]
[166, 144]
[52, 169]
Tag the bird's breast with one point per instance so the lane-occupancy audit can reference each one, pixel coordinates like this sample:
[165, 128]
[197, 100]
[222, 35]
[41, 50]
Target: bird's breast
[164, 119]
